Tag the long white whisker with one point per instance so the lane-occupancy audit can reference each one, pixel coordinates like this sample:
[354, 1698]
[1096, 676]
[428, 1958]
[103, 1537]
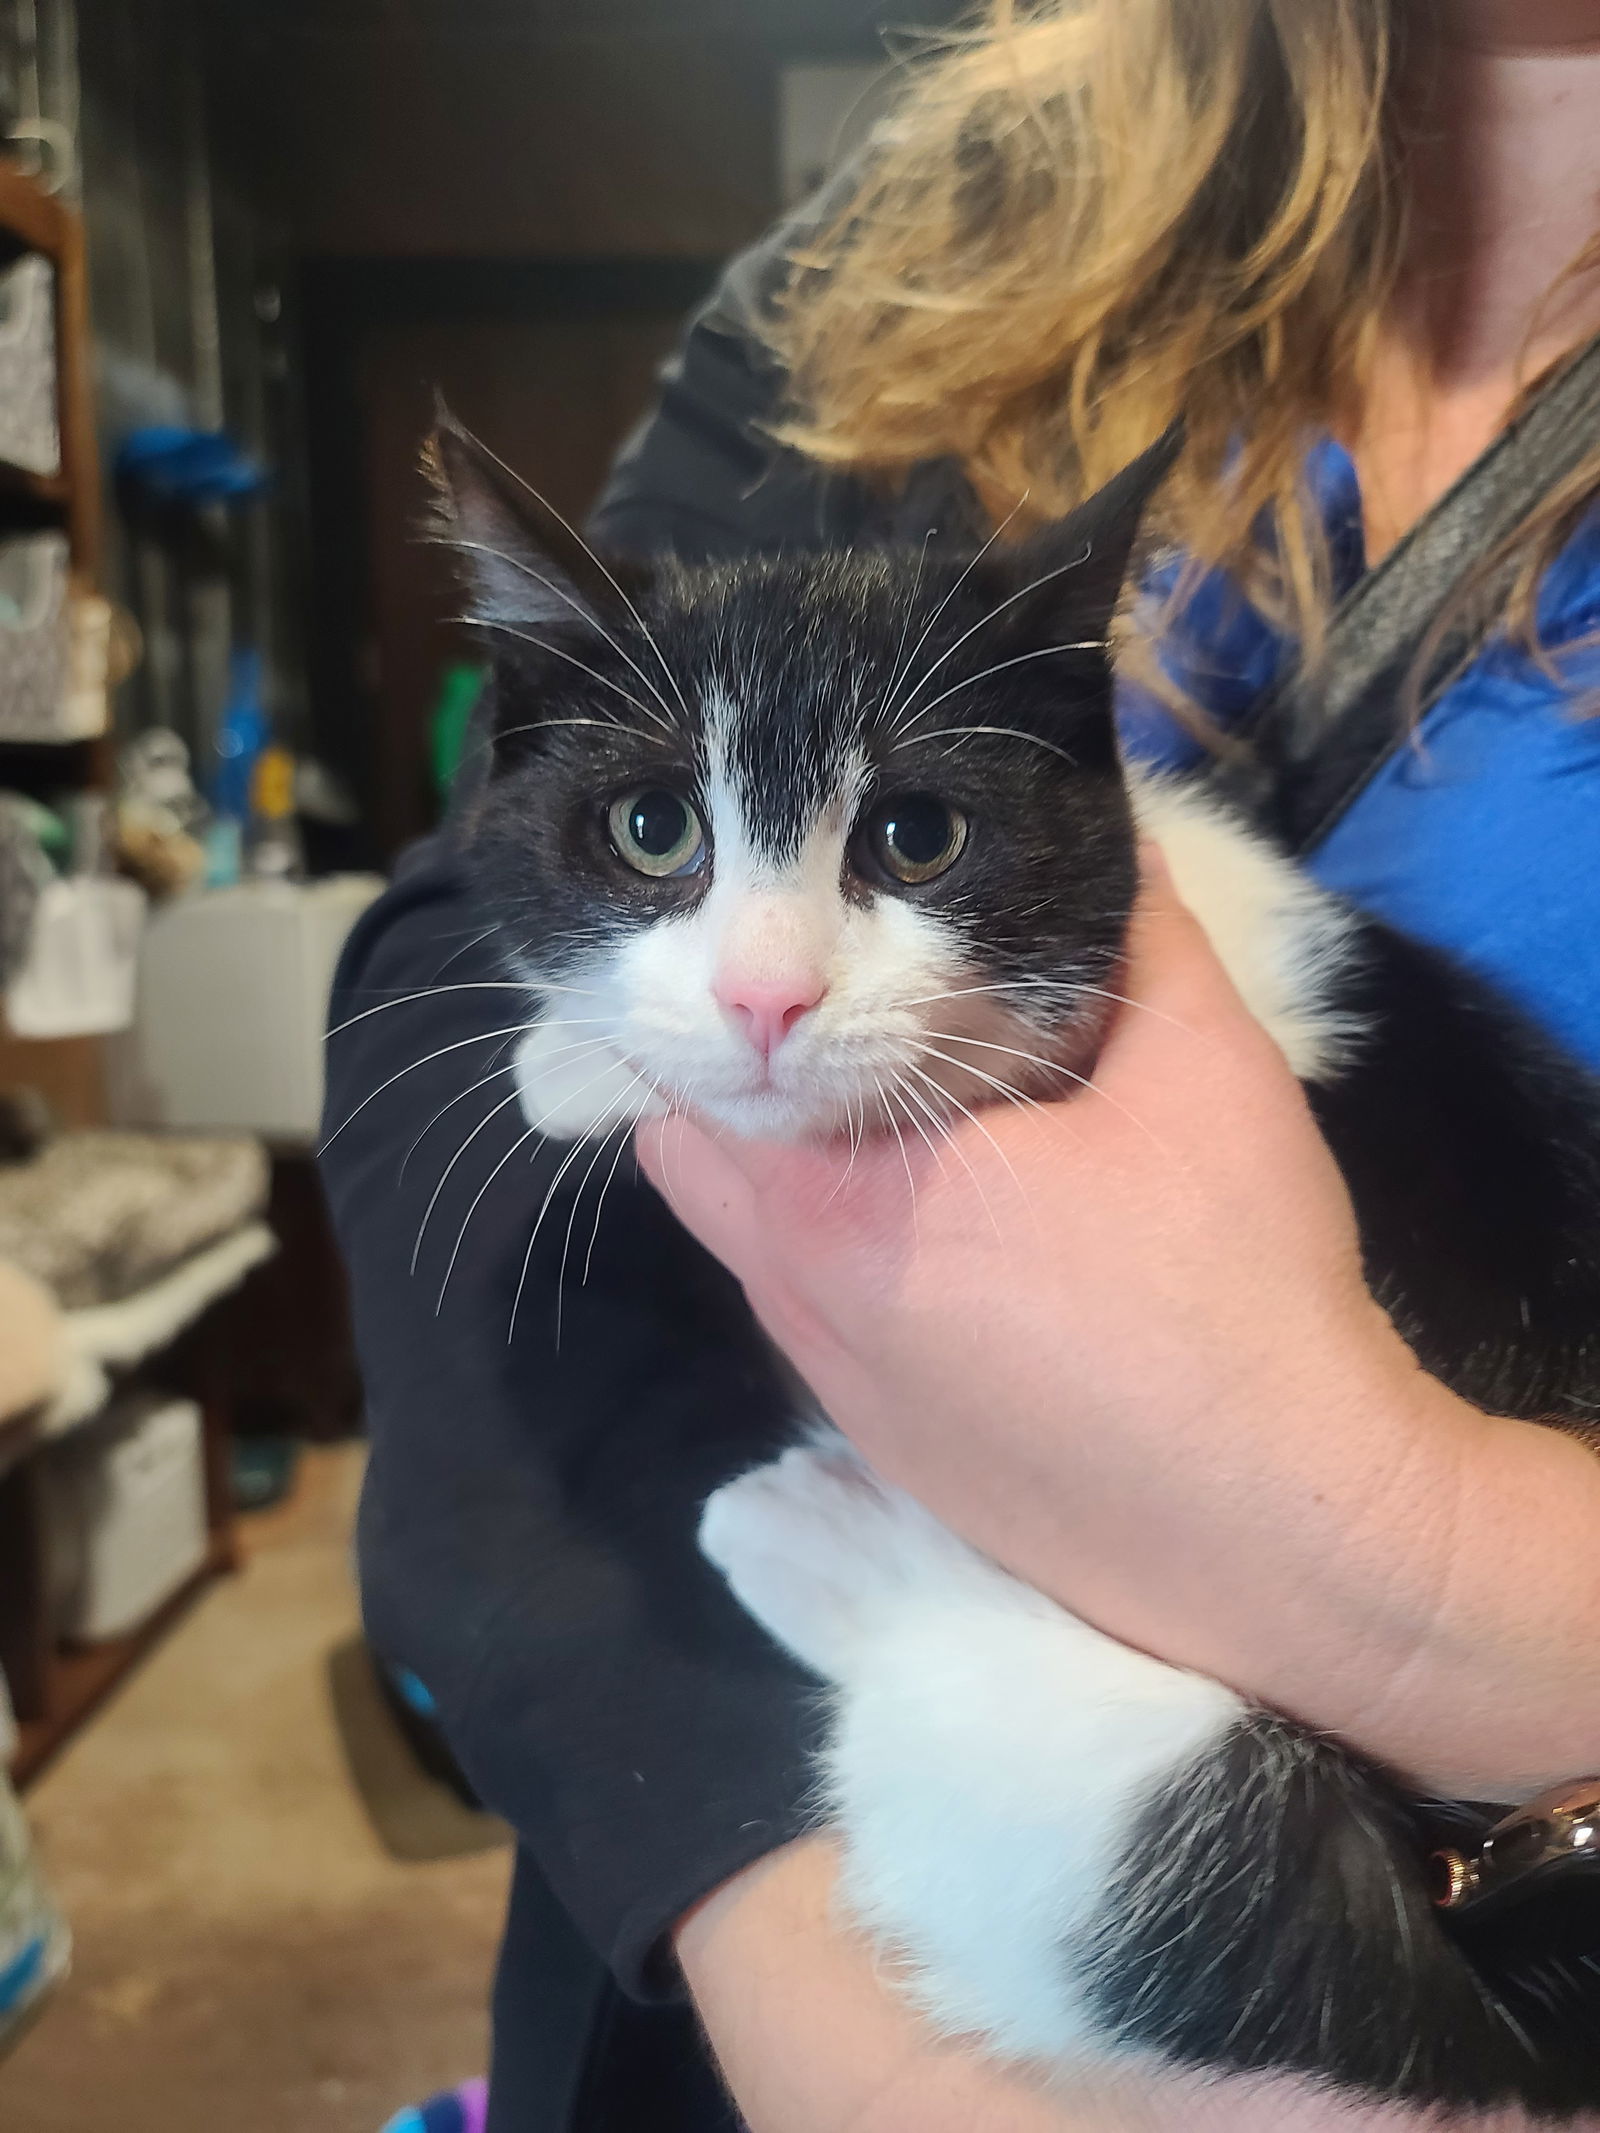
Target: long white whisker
[1100, 993]
[1007, 1089]
[1054, 1067]
[587, 1044]
[460, 1097]
[857, 1127]
[1049, 1066]
[545, 504]
[974, 1120]
[970, 681]
[562, 1168]
[972, 565]
[542, 644]
[894, 1127]
[577, 1199]
[909, 1095]
[1011, 599]
[483, 1036]
[967, 992]
[488, 1118]
[568, 600]
[1060, 990]
[428, 992]
[602, 725]
[522, 1142]
[455, 955]
[898, 667]
[1009, 733]
[599, 1205]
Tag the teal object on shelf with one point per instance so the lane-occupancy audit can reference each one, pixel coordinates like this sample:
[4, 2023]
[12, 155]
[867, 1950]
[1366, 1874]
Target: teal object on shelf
[35, 1945]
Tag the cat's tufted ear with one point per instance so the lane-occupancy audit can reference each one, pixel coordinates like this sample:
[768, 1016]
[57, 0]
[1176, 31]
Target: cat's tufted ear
[522, 564]
[1077, 566]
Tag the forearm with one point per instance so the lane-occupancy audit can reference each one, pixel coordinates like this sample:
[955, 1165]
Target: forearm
[1399, 1570]
[813, 2038]
[1474, 1666]
[809, 2038]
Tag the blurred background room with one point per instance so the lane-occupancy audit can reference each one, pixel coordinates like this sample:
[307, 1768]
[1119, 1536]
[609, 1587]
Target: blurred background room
[243, 243]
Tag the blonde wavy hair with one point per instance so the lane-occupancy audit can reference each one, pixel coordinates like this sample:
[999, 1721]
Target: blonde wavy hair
[1085, 217]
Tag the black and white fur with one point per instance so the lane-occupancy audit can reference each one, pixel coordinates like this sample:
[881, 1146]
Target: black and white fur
[1074, 1850]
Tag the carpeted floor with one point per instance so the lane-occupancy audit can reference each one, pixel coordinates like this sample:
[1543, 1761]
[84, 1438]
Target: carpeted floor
[249, 1958]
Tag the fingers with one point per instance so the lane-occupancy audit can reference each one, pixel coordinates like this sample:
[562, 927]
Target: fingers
[702, 1181]
[755, 1202]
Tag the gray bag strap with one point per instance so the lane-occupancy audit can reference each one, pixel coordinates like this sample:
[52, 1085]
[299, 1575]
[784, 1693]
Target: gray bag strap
[1316, 741]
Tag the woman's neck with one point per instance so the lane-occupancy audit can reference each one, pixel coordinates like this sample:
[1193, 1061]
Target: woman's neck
[1500, 162]
[1520, 25]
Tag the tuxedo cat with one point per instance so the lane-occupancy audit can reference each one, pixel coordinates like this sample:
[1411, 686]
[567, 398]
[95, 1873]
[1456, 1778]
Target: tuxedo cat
[840, 844]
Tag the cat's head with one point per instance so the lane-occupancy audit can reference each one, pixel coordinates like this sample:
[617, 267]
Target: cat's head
[814, 841]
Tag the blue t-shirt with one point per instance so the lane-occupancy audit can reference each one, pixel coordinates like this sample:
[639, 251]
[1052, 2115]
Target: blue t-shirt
[1480, 835]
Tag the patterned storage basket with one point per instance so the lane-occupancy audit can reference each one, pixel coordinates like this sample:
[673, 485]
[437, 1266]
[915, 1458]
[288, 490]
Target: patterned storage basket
[33, 637]
[30, 433]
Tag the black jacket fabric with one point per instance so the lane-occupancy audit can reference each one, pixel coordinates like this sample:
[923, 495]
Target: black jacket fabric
[526, 1537]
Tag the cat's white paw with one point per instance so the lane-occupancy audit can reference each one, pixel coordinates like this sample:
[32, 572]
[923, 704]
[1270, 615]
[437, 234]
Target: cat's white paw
[817, 1549]
[989, 1753]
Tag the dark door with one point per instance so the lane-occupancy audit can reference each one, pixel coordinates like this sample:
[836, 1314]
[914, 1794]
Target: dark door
[553, 388]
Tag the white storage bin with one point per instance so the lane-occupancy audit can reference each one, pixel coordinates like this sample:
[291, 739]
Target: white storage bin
[30, 432]
[125, 1515]
[232, 1001]
[78, 980]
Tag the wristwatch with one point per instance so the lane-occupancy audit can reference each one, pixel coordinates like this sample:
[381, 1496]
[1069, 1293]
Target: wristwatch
[1543, 1855]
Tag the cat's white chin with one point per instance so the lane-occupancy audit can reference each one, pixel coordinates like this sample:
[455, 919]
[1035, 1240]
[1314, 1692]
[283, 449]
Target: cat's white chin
[571, 1091]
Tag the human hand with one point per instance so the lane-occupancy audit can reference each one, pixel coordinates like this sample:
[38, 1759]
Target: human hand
[812, 2038]
[1123, 1344]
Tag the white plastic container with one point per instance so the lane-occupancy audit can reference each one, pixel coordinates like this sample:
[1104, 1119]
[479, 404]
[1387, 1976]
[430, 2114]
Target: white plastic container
[232, 1001]
[78, 980]
[125, 1515]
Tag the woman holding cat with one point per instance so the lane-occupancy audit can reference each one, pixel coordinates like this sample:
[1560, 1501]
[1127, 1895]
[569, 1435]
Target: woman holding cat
[1333, 217]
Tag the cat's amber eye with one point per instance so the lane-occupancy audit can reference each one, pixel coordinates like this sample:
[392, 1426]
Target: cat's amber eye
[657, 832]
[915, 838]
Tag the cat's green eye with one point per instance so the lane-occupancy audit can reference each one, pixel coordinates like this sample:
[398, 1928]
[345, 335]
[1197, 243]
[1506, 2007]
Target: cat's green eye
[657, 832]
[915, 838]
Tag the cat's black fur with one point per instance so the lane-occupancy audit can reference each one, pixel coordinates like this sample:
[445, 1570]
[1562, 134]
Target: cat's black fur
[1275, 1913]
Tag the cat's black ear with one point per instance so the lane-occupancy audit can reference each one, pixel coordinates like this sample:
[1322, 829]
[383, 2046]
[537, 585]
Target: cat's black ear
[1079, 564]
[522, 564]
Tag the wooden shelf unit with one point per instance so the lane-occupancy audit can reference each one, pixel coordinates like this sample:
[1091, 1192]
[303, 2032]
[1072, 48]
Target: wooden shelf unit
[66, 1070]
[55, 1687]
[32, 220]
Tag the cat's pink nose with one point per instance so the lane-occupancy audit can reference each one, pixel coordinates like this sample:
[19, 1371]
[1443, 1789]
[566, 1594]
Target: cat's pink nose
[768, 1009]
